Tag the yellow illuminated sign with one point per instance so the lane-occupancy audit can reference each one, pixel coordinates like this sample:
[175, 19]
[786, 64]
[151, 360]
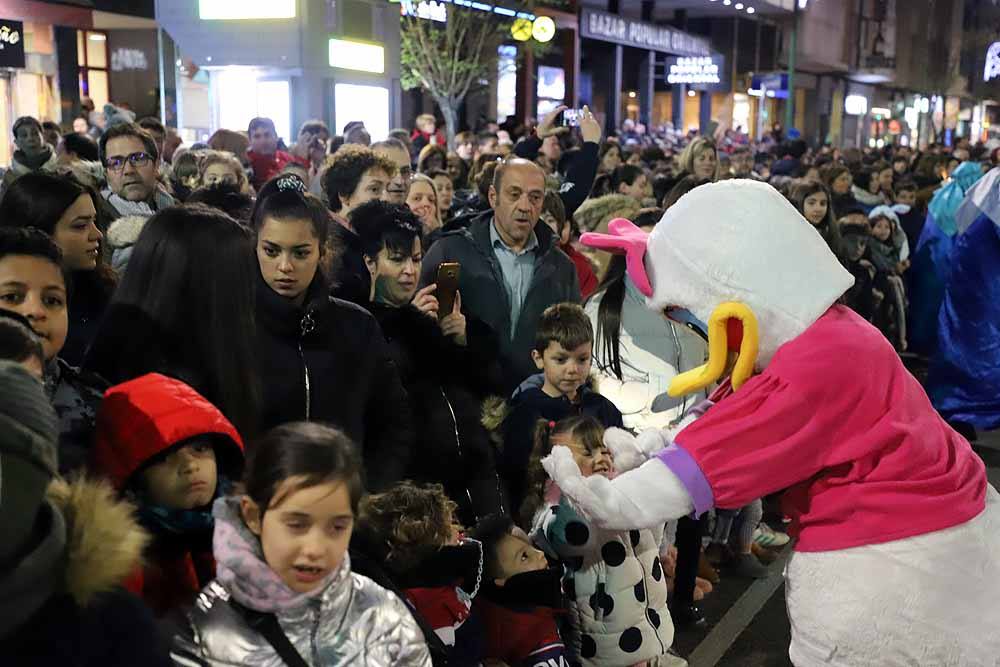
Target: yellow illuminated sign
[357, 56]
[543, 29]
[245, 9]
[521, 30]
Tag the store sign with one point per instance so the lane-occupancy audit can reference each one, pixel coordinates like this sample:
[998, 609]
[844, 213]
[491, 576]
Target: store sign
[992, 70]
[128, 59]
[856, 105]
[432, 10]
[694, 69]
[238, 10]
[611, 28]
[11, 43]
[358, 56]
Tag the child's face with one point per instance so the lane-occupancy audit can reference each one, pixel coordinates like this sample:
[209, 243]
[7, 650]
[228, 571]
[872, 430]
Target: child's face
[186, 479]
[565, 370]
[305, 532]
[881, 229]
[855, 246]
[908, 197]
[34, 287]
[516, 555]
[596, 461]
[814, 208]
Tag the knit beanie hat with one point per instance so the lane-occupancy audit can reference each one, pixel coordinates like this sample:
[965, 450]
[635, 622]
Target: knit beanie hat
[117, 116]
[28, 458]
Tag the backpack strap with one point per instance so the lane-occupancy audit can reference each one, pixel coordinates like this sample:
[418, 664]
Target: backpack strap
[268, 626]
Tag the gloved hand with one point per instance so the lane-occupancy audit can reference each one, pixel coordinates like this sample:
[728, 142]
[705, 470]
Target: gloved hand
[629, 451]
[640, 498]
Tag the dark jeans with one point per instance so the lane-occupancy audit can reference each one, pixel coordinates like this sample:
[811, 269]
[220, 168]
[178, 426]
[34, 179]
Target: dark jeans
[688, 543]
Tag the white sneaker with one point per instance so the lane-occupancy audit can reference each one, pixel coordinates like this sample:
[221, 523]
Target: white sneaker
[766, 536]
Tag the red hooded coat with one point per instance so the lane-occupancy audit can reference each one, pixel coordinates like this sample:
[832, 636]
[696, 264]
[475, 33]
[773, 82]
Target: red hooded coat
[139, 420]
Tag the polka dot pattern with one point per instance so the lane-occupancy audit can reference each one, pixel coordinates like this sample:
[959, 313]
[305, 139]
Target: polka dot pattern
[577, 533]
[631, 640]
[640, 592]
[588, 647]
[633, 536]
[602, 603]
[657, 569]
[613, 553]
[653, 617]
[574, 562]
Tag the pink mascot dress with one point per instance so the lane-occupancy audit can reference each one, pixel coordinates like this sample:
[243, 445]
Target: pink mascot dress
[897, 558]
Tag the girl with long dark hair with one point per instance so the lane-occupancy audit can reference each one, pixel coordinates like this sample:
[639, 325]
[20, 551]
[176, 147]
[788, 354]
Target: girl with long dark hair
[185, 309]
[69, 212]
[320, 358]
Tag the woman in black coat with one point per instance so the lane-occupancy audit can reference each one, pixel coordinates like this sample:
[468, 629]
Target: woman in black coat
[448, 365]
[320, 358]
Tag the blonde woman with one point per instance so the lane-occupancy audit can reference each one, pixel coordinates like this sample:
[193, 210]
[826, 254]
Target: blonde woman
[701, 159]
[423, 200]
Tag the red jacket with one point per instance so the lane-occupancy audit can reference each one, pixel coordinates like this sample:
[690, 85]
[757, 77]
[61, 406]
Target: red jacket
[266, 167]
[141, 419]
[584, 270]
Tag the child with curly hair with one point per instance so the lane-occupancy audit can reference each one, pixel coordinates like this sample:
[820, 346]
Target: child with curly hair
[414, 533]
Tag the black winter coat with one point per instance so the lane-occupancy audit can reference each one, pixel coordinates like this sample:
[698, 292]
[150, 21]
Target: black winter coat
[485, 297]
[327, 361]
[446, 384]
[353, 281]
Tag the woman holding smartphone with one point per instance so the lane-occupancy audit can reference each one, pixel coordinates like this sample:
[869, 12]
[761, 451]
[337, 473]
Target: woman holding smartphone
[448, 361]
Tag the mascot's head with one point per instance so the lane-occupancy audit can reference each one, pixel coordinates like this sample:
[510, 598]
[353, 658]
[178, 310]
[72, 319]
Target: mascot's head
[736, 260]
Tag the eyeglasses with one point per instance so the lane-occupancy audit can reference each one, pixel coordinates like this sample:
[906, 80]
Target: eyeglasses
[140, 159]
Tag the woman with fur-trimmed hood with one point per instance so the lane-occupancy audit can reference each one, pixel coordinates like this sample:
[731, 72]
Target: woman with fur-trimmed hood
[67, 547]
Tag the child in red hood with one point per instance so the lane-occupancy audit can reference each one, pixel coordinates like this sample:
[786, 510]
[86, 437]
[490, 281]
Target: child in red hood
[172, 453]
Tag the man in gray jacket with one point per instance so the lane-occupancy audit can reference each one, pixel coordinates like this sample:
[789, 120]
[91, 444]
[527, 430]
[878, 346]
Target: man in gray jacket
[512, 268]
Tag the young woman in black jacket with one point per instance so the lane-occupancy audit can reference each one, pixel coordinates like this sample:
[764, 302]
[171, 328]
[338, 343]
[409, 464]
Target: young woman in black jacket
[448, 364]
[320, 358]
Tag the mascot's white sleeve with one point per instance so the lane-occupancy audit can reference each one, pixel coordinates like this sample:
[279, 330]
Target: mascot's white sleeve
[644, 497]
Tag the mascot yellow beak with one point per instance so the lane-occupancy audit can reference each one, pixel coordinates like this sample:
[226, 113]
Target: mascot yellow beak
[731, 327]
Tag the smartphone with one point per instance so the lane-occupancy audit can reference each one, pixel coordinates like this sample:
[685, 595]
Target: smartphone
[447, 287]
[571, 118]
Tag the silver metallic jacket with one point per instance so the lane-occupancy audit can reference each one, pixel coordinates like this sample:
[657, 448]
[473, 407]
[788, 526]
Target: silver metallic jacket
[354, 622]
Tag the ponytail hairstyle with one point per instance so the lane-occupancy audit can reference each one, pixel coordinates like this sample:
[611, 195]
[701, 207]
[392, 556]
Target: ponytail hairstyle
[286, 197]
[582, 428]
[607, 336]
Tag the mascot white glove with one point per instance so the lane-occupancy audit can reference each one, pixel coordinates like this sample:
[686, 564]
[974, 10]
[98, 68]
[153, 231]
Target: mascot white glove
[629, 451]
[645, 497]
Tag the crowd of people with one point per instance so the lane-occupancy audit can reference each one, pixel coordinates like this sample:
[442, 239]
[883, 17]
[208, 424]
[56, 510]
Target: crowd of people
[266, 402]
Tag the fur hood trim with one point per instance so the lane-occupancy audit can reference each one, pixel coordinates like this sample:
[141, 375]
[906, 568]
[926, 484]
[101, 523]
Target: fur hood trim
[595, 214]
[104, 542]
[87, 172]
[495, 411]
[124, 231]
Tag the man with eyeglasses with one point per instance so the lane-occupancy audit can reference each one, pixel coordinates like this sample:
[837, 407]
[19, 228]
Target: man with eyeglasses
[130, 158]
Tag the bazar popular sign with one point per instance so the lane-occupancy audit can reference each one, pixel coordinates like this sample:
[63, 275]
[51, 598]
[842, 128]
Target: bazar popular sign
[694, 69]
[641, 35]
[11, 43]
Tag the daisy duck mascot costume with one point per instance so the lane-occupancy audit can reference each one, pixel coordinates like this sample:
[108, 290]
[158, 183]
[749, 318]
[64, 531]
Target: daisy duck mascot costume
[897, 559]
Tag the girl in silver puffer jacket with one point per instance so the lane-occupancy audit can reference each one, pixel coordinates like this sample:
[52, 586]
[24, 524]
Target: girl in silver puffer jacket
[284, 592]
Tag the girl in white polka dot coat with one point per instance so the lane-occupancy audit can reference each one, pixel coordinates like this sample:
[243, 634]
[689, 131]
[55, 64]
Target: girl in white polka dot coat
[614, 580]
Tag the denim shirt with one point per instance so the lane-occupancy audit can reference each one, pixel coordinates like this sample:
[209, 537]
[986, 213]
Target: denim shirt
[517, 268]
